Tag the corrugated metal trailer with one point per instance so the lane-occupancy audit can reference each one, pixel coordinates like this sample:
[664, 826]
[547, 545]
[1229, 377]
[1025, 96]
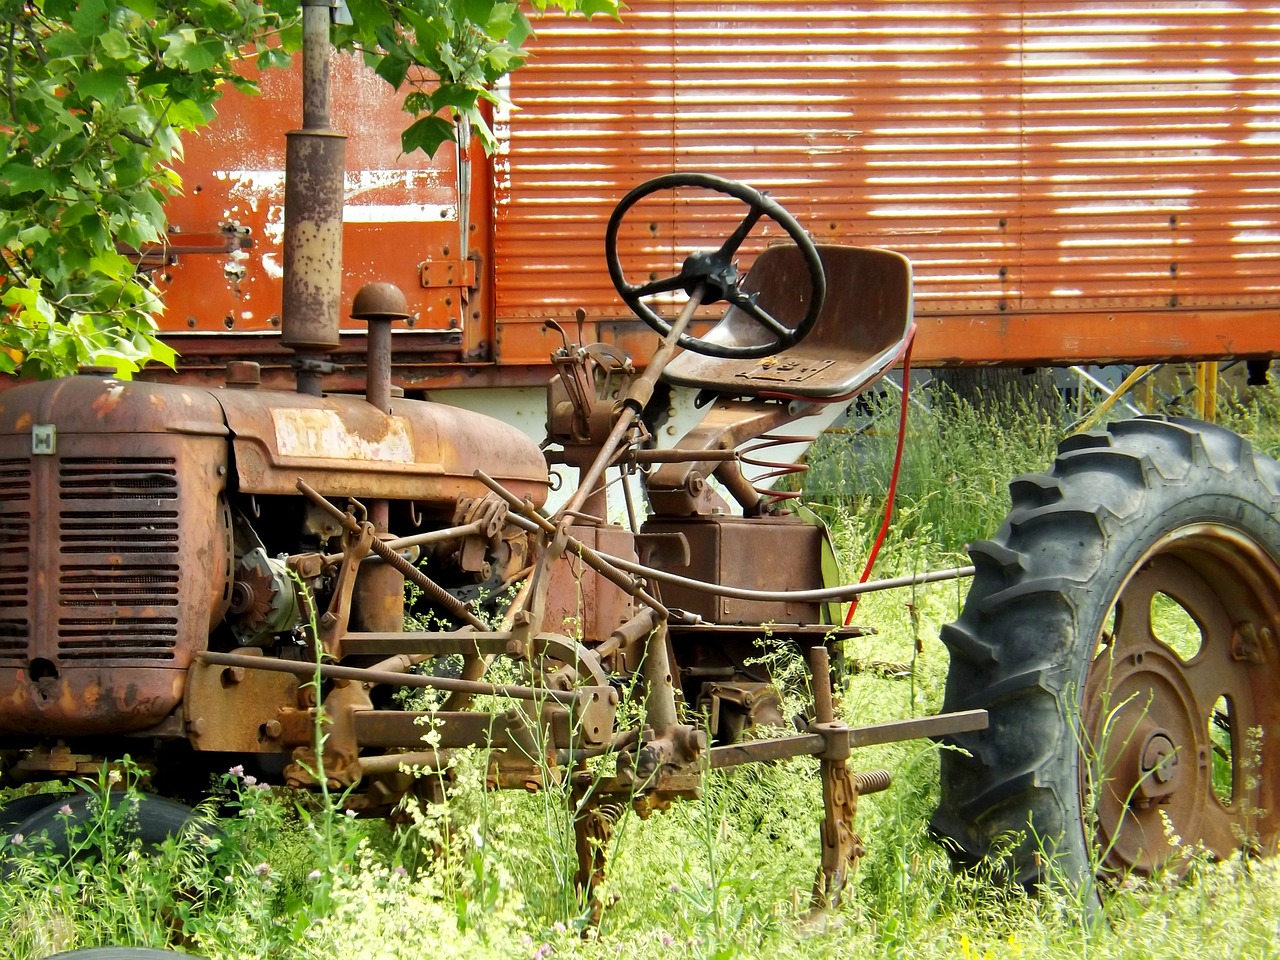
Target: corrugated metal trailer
[1073, 182]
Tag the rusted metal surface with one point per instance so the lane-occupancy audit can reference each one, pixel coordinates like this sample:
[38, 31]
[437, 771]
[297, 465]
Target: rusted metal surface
[99, 615]
[729, 550]
[315, 158]
[1179, 718]
[581, 600]
[426, 452]
[1071, 184]
[230, 708]
[397, 213]
[868, 291]
[1049, 169]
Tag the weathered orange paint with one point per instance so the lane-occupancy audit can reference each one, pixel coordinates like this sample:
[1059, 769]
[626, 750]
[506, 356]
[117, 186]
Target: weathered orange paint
[1071, 181]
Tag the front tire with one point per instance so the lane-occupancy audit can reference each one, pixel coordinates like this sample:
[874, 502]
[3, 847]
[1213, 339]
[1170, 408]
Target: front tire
[1122, 631]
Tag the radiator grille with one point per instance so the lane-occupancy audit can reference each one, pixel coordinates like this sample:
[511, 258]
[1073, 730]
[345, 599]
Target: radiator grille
[119, 528]
[15, 548]
[116, 638]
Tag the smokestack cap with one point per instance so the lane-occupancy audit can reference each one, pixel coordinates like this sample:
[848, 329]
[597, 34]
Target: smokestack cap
[380, 301]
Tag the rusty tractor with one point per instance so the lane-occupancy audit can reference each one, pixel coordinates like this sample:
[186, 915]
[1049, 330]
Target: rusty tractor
[194, 575]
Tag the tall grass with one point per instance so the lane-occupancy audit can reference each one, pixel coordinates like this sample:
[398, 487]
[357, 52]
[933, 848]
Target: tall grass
[484, 875]
[958, 460]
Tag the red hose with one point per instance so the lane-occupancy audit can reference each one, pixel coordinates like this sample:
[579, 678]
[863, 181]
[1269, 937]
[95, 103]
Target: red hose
[893, 477]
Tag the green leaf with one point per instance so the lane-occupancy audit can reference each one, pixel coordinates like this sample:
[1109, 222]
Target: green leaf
[426, 134]
[184, 51]
[393, 69]
[521, 30]
[368, 15]
[479, 11]
[274, 58]
[610, 8]
[115, 45]
[34, 236]
[108, 87]
[452, 95]
[74, 213]
[21, 177]
[161, 352]
[503, 18]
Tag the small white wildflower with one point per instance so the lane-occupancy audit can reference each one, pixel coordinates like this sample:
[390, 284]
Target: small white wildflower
[65, 809]
[237, 770]
[249, 781]
[263, 869]
[17, 838]
[314, 875]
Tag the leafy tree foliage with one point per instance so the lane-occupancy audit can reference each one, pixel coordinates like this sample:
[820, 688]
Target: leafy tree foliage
[95, 96]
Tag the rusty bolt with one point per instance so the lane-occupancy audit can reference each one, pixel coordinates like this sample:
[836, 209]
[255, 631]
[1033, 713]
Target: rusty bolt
[272, 729]
[232, 675]
[694, 484]
[196, 726]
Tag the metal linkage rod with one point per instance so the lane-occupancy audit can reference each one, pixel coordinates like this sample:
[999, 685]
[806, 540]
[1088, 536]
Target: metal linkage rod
[435, 592]
[804, 596]
[421, 539]
[606, 566]
[633, 405]
[759, 751]
[388, 677]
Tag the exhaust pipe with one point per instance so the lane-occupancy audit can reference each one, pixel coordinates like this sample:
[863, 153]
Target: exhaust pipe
[315, 163]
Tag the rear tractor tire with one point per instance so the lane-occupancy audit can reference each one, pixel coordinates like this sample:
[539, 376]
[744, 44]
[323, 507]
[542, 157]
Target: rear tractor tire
[1123, 631]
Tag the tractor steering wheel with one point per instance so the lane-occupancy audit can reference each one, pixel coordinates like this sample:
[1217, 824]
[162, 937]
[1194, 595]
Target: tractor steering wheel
[715, 271]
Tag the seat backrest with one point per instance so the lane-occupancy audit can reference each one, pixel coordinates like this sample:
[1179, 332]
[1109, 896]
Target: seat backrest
[864, 319]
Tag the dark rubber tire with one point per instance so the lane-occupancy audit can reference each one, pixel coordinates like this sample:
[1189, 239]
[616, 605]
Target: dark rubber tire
[19, 808]
[158, 818]
[1076, 538]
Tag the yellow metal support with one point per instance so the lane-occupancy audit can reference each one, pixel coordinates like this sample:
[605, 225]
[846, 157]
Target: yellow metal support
[1207, 391]
[1129, 382]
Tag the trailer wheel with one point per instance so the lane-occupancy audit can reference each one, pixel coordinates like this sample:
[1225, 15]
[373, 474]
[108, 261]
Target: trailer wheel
[1122, 632]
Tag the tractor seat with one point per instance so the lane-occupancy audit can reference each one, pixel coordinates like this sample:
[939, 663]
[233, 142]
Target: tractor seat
[858, 335]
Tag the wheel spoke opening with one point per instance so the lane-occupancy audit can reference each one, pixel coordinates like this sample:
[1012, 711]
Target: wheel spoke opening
[1174, 626]
[1222, 760]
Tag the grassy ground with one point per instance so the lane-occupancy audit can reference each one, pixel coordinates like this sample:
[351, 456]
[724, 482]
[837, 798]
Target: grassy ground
[489, 874]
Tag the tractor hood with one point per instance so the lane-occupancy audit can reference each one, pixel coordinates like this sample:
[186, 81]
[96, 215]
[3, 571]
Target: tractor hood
[340, 445]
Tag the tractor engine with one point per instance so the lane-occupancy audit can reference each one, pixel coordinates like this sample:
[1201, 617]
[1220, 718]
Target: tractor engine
[142, 524]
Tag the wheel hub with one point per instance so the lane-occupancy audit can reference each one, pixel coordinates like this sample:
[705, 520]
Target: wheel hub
[1157, 777]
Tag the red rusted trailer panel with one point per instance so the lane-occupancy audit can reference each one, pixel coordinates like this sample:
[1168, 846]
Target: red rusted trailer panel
[1072, 181]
